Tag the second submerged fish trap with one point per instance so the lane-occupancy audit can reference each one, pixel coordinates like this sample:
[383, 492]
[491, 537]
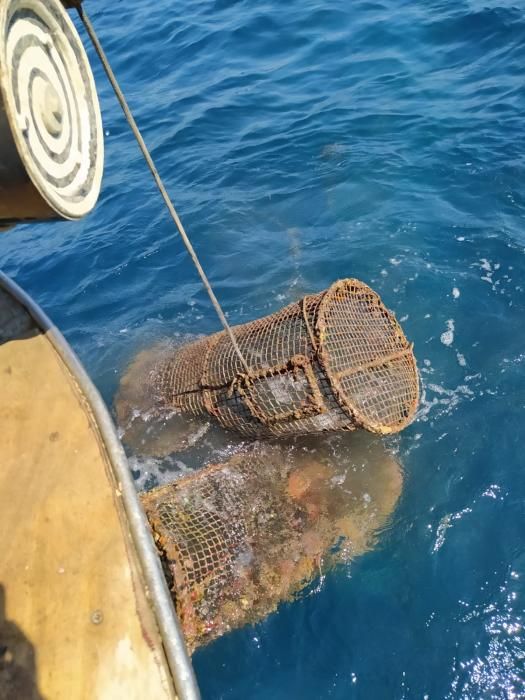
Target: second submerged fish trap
[237, 539]
[332, 361]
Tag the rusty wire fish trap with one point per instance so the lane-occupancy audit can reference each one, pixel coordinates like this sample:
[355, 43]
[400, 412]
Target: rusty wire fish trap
[239, 538]
[332, 361]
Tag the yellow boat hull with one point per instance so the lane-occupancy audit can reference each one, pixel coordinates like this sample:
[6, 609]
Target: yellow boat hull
[75, 617]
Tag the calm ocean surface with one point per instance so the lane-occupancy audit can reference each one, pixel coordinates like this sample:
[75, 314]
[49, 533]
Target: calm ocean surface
[303, 142]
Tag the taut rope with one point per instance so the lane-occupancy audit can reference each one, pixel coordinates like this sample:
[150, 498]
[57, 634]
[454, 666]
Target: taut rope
[158, 180]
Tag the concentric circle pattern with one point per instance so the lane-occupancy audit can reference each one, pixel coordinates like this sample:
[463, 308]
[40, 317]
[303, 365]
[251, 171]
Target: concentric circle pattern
[51, 103]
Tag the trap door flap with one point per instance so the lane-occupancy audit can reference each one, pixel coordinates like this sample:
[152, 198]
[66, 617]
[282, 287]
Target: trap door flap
[281, 393]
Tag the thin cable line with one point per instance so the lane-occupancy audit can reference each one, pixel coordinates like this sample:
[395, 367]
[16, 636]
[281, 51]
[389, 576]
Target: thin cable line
[158, 180]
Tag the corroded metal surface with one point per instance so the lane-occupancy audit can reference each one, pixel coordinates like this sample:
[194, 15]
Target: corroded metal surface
[336, 360]
[241, 537]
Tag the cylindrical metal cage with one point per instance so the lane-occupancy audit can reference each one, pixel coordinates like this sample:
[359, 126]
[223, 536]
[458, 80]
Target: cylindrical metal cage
[239, 538]
[331, 361]
[51, 141]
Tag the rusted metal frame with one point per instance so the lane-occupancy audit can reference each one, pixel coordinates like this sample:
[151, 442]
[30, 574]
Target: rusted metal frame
[384, 360]
[415, 400]
[171, 382]
[311, 335]
[242, 384]
[324, 359]
[207, 397]
[150, 497]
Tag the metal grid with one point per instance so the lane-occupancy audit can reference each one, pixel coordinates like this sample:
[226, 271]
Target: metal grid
[230, 538]
[237, 539]
[336, 360]
[210, 527]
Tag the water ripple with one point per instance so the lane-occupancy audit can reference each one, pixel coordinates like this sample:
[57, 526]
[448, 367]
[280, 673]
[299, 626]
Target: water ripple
[304, 142]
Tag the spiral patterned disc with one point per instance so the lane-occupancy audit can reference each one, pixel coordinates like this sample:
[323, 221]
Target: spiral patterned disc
[51, 104]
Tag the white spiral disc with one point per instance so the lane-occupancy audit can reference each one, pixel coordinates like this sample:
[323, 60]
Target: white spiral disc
[51, 104]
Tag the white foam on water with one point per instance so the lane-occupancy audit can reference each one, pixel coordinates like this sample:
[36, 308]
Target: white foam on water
[489, 270]
[485, 264]
[445, 523]
[447, 337]
[461, 359]
[146, 471]
[455, 292]
[493, 491]
[515, 360]
[442, 402]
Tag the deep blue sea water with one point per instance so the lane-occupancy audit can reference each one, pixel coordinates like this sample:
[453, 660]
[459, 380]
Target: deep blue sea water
[303, 142]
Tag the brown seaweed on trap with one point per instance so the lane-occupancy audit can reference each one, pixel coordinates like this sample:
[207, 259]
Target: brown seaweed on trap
[239, 538]
[336, 360]
[145, 428]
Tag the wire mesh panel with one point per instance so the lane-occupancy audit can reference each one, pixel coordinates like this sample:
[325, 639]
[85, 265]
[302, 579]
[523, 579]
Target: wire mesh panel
[238, 538]
[331, 361]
